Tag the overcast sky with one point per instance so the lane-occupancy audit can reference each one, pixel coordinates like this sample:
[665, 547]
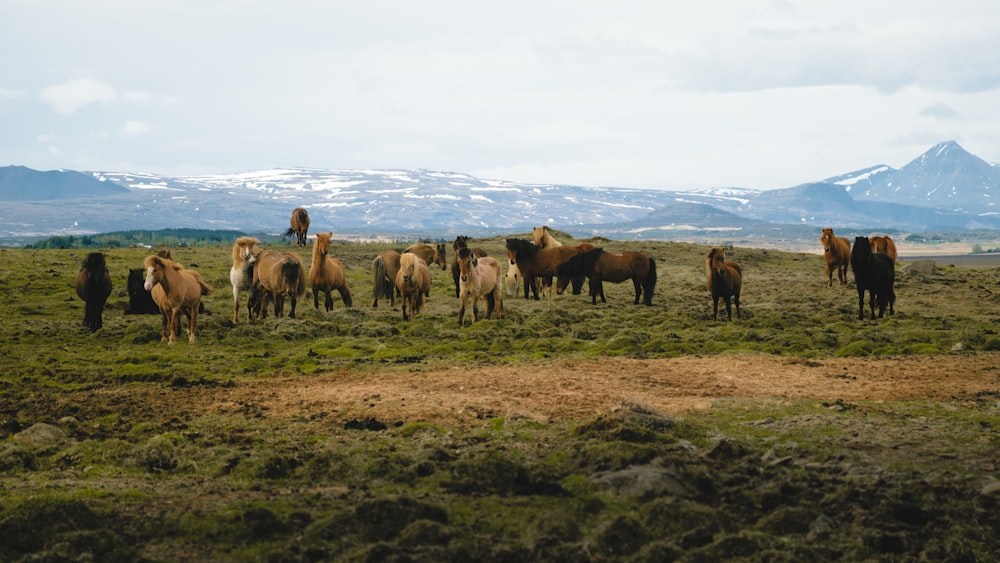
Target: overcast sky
[759, 94]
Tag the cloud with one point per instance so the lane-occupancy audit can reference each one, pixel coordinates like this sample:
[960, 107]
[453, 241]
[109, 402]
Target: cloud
[70, 96]
[939, 110]
[135, 128]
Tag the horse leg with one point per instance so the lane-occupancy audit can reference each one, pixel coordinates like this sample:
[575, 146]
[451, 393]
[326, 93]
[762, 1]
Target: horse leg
[192, 321]
[174, 320]
[461, 308]
[861, 302]
[736, 299]
[729, 308]
[291, 313]
[638, 289]
[600, 289]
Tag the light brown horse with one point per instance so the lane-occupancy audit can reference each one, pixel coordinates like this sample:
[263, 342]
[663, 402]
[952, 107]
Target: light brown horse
[885, 245]
[725, 280]
[513, 280]
[461, 242]
[93, 286]
[535, 262]
[837, 253]
[175, 291]
[277, 275]
[430, 254]
[327, 274]
[600, 266]
[413, 281]
[241, 273]
[300, 225]
[544, 238]
[384, 268]
[479, 277]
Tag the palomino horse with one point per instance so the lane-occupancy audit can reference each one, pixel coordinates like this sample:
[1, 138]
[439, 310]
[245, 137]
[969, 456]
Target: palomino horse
[535, 262]
[176, 292]
[300, 225]
[241, 274]
[327, 273]
[544, 239]
[479, 276]
[430, 254]
[725, 280]
[277, 275]
[513, 280]
[413, 281]
[93, 285]
[461, 241]
[875, 273]
[885, 245]
[837, 253]
[600, 266]
[384, 268]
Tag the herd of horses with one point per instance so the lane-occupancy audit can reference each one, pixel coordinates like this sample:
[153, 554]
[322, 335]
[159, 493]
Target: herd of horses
[270, 277]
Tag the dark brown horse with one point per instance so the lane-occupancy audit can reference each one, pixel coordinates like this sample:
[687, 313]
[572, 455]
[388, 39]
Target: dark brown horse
[837, 253]
[884, 245]
[327, 274]
[600, 266]
[461, 241]
[384, 268]
[430, 254]
[875, 273]
[300, 225]
[93, 285]
[725, 280]
[277, 275]
[535, 262]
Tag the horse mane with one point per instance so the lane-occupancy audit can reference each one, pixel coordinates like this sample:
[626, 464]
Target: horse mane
[524, 248]
[464, 252]
[580, 264]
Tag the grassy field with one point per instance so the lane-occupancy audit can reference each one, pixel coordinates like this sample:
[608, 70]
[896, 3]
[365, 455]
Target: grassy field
[89, 469]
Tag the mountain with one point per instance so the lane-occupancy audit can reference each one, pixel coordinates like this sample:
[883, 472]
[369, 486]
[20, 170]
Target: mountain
[18, 183]
[436, 204]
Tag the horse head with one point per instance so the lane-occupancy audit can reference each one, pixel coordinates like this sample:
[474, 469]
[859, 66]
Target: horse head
[461, 241]
[466, 262]
[716, 260]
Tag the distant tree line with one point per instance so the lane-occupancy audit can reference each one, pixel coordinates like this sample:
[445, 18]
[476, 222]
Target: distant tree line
[119, 239]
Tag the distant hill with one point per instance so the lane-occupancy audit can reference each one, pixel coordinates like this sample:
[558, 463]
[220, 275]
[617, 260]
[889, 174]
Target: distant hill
[18, 183]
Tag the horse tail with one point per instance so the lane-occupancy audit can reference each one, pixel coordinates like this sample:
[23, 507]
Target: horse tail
[345, 294]
[289, 232]
[649, 284]
[290, 273]
[380, 275]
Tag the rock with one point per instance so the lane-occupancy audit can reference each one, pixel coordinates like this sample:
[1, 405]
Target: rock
[41, 434]
[990, 488]
[920, 268]
[643, 481]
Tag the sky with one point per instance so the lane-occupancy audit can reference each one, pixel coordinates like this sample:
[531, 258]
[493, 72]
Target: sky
[747, 93]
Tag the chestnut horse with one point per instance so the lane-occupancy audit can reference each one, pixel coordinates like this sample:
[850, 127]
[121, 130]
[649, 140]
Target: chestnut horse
[461, 241]
[300, 225]
[430, 254]
[536, 262]
[544, 239]
[176, 291]
[479, 276]
[837, 253]
[874, 272]
[725, 280]
[384, 268]
[413, 281]
[600, 266]
[93, 285]
[885, 245]
[241, 273]
[275, 276]
[327, 274]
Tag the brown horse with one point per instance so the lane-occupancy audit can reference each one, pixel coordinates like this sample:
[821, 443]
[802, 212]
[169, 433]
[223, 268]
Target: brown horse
[176, 291]
[300, 225]
[327, 274]
[241, 273]
[430, 254]
[837, 253]
[600, 266]
[543, 238]
[461, 241]
[725, 280]
[384, 268]
[884, 245]
[93, 285]
[536, 262]
[479, 276]
[413, 281]
[277, 275]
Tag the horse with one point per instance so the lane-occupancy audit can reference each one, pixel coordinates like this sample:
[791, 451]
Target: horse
[543, 239]
[873, 272]
[513, 280]
[461, 241]
[93, 286]
[277, 275]
[140, 301]
[176, 291]
[300, 225]
[327, 273]
[384, 268]
[885, 245]
[413, 281]
[430, 254]
[837, 253]
[479, 276]
[241, 273]
[600, 266]
[536, 262]
[725, 280]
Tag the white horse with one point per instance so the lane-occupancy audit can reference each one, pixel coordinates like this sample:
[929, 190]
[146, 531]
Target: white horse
[241, 274]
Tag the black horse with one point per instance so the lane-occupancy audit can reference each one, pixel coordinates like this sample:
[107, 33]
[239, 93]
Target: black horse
[875, 273]
[93, 285]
